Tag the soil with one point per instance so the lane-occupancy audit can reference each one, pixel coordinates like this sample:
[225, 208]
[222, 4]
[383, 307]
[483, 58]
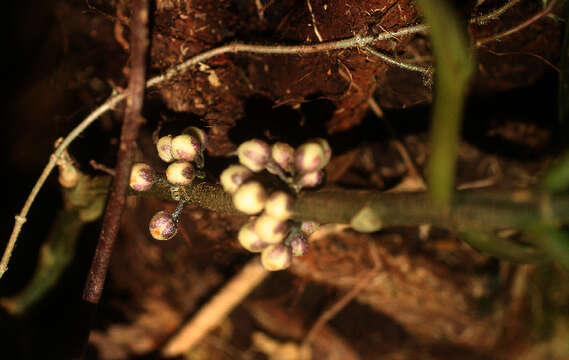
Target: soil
[432, 297]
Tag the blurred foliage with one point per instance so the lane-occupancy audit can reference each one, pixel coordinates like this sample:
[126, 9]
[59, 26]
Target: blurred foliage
[454, 65]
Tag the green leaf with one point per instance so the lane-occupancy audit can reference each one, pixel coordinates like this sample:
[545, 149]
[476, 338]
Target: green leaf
[557, 178]
[553, 241]
[502, 248]
[454, 65]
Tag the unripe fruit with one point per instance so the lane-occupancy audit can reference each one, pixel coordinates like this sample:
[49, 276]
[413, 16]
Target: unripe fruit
[164, 148]
[185, 147]
[279, 205]
[141, 177]
[162, 226]
[326, 148]
[250, 198]
[270, 229]
[249, 239]
[298, 245]
[254, 154]
[276, 257]
[309, 227]
[180, 173]
[198, 134]
[311, 179]
[232, 177]
[283, 155]
[309, 157]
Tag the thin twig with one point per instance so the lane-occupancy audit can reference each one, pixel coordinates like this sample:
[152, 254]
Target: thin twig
[528, 22]
[211, 315]
[115, 99]
[494, 14]
[132, 122]
[344, 300]
[313, 18]
[401, 64]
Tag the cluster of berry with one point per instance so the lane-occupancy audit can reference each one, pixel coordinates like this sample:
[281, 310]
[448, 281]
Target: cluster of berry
[180, 151]
[272, 233]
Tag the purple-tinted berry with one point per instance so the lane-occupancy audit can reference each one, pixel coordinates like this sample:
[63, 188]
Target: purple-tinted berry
[233, 177]
[141, 177]
[309, 227]
[254, 154]
[249, 239]
[283, 155]
[298, 245]
[164, 148]
[198, 134]
[186, 147]
[162, 226]
[180, 173]
[309, 157]
[311, 179]
[279, 205]
[271, 230]
[250, 198]
[276, 257]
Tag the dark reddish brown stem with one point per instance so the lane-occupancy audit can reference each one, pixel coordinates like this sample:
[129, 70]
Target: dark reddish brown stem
[117, 197]
[132, 121]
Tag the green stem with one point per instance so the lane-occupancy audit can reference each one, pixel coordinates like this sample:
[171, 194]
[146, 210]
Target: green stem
[453, 68]
[483, 210]
[502, 248]
[55, 254]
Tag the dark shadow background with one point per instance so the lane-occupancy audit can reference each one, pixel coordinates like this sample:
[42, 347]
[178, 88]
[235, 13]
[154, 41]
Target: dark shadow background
[56, 70]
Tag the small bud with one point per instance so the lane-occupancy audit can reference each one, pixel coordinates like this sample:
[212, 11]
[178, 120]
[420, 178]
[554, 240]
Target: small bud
[254, 154]
[198, 134]
[326, 148]
[311, 179]
[309, 157]
[164, 147]
[276, 257]
[270, 229]
[249, 239]
[309, 227]
[180, 173]
[232, 177]
[185, 147]
[283, 155]
[298, 245]
[162, 226]
[279, 205]
[141, 177]
[250, 198]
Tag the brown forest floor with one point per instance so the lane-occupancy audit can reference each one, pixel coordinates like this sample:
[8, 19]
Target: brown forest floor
[433, 297]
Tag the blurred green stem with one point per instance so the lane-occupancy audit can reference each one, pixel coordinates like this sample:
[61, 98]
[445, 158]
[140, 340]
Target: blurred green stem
[454, 66]
[83, 204]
